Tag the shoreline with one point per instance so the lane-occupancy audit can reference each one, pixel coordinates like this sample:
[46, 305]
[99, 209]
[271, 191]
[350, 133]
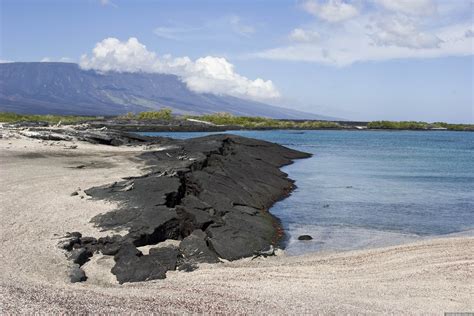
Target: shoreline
[192, 125]
[205, 128]
[211, 193]
[423, 277]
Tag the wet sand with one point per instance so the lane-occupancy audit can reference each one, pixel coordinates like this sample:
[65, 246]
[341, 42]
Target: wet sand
[36, 182]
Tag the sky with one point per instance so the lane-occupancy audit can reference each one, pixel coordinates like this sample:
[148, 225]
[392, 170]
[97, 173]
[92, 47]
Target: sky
[358, 60]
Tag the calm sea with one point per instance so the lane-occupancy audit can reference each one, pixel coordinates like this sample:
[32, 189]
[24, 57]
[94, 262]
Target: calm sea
[366, 189]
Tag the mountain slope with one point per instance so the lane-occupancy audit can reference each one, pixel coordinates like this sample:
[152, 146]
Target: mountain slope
[64, 88]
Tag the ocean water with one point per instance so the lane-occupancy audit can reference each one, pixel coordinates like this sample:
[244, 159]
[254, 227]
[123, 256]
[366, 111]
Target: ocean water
[365, 189]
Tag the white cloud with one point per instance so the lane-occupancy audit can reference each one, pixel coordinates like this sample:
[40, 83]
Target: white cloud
[239, 27]
[302, 35]
[4, 61]
[331, 11]
[390, 30]
[205, 75]
[401, 31]
[348, 47]
[414, 7]
[61, 60]
[114, 55]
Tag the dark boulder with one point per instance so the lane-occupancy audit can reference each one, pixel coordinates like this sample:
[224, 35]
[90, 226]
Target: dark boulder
[73, 235]
[167, 256]
[195, 250]
[305, 237]
[69, 243]
[132, 266]
[76, 274]
[80, 256]
[110, 245]
[213, 193]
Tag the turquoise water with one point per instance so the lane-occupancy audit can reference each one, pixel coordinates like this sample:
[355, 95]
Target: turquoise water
[373, 188]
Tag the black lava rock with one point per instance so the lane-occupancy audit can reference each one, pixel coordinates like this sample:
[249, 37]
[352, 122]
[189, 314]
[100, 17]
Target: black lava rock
[195, 250]
[73, 235]
[69, 243]
[80, 256]
[138, 268]
[213, 193]
[166, 256]
[76, 274]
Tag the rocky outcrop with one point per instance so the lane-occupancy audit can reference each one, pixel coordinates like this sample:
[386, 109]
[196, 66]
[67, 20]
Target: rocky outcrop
[213, 193]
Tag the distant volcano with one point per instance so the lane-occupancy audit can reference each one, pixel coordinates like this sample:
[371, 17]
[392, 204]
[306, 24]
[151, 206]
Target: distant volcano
[64, 88]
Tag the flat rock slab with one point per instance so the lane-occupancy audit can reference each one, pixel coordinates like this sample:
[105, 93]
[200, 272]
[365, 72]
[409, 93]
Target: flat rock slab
[213, 193]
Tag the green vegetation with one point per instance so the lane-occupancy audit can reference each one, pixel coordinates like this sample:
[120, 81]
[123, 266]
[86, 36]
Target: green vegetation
[411, 125]
[162, 114]
[262, 122]
[231, 120]
[227, 119]
[7, 117]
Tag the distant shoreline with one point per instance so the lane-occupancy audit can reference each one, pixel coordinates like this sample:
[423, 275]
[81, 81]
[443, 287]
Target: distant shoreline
[164, 121]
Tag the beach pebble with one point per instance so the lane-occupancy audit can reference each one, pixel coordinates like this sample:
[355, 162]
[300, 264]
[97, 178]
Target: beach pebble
[305, 237]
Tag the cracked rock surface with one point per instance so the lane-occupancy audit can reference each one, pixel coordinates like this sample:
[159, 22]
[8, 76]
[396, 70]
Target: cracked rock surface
[212, 193]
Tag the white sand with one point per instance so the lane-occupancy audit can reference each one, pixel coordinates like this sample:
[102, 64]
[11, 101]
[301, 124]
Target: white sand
[427, 277]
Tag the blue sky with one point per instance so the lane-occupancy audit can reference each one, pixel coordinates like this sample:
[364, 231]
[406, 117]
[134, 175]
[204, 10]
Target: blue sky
[360, 59]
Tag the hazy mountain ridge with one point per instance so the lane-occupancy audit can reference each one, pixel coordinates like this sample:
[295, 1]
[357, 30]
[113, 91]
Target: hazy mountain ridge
[64, 88]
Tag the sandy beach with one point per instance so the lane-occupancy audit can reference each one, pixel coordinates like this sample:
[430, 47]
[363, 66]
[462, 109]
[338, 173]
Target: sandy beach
[36, 182]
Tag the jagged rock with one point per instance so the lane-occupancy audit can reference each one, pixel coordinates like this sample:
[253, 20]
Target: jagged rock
[127, 250]
[69, 243]
[80, 256]
[194, 249]
[225, 190]
[73, 234]
[110, 245]
[167, 256]
[132, 266]
[71, 240]
[88, 240]
[242, 234]
[76, 274]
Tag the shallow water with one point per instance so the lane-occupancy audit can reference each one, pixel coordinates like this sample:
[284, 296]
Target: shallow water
[373, 188]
